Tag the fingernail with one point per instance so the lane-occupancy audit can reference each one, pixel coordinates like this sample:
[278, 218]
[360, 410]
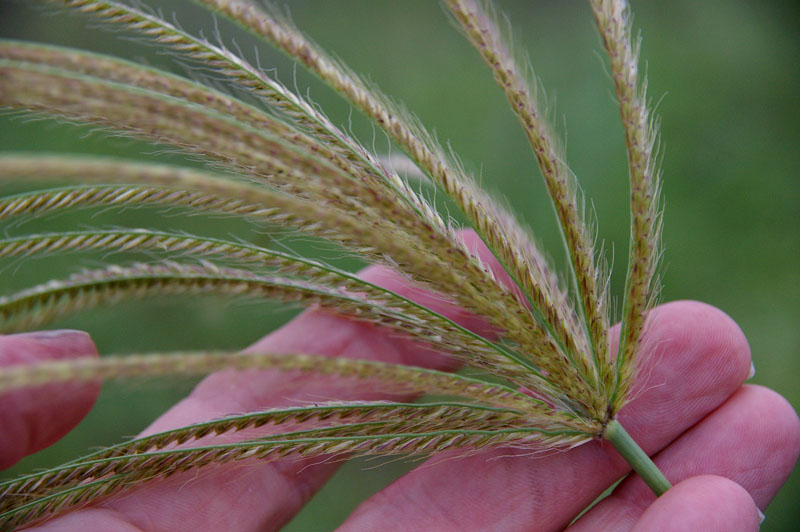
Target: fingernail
[761, 516]
[54, 335]
[752, 371]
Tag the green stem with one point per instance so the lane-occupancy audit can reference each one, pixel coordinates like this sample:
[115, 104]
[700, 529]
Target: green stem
[636, 457]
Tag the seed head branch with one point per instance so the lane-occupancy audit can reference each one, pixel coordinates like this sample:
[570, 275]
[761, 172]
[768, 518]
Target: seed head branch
[484, 34]
[613, 21]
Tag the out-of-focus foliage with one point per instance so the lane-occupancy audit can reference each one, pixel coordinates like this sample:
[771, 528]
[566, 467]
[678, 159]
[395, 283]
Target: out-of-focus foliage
[730, 113]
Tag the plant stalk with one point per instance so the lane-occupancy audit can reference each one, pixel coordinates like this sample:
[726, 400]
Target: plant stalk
[636, 457]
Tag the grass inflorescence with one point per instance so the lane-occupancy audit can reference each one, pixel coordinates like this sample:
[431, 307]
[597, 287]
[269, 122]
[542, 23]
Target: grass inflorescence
[276, 158]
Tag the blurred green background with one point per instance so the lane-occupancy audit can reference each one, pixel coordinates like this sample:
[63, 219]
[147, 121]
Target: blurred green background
[727, 83]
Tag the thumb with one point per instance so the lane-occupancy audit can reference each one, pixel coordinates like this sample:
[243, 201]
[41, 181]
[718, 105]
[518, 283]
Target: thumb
[709, 503]
[34, 418]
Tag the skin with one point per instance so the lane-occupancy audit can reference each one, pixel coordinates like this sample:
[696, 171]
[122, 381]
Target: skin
[727, 447]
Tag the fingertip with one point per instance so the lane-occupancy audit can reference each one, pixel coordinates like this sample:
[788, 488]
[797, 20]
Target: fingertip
[774, 424]
[697, 327]
[34, 418]
[30, 347]
[781, 414]
[707, 502]
[693, 358]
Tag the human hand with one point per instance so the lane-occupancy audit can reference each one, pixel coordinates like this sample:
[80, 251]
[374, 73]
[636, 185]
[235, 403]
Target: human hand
[727, 447]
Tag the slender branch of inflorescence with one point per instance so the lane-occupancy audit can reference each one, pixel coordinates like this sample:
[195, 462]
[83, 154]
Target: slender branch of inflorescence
[613, 20]
[42, 202]
[390, 378]
[483, 32]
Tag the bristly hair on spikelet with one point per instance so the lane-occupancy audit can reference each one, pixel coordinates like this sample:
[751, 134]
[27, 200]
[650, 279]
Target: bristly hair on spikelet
[280, 160]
